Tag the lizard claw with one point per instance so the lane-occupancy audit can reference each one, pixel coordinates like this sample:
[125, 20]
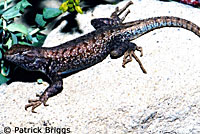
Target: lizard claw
[35, 103]
[140, 50]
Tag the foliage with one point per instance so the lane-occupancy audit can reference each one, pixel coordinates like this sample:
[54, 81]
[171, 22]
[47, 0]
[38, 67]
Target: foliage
[12, 32]
[48, 13]
[71, 5]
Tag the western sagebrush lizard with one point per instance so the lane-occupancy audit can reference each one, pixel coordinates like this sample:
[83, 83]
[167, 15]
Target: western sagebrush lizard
[111, 37]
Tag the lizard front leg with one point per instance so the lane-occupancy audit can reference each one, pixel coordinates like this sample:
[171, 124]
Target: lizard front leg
[131, 53]
[55, 87]
[127, 49]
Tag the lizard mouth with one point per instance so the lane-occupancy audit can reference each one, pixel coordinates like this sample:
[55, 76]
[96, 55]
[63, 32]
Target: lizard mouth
[13, 57]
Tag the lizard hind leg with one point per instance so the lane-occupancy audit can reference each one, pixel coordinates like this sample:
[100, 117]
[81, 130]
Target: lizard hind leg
[114, 18]
[131, 53]
[117, 12]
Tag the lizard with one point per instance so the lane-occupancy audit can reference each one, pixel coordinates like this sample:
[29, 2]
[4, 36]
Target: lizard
[111, 37]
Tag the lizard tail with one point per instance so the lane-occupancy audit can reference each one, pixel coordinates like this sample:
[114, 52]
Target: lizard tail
[135, 29]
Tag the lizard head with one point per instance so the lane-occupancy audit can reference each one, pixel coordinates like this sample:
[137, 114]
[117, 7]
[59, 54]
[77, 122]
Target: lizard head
[18, 54]
[27, 57]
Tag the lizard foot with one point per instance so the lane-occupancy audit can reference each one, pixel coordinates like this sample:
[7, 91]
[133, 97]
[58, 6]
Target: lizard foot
[128, 58]
[37, 102]
[117, 12]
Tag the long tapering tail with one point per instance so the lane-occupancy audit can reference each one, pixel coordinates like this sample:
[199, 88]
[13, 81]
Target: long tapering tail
[135, 29]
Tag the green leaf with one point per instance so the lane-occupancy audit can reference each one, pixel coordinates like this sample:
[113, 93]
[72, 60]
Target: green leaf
[78, 9]
[14, 38]
[24, 43]
[70, 5]
[9, 43]
[19, 34]
[39, 81]
[11, 13]
[71, 10]
[2, 3]
[14, 27]
[1, 11]
[5, 71]
[71, 1]
[40, 40]
[29, 37]
[41, 37]
[64, 7]
[51, 12]
[3, 79]
[15, 10]
[1, 22]
[77, 2]
[35, 39]
[24, 4]
[39, 20]
[1, 55]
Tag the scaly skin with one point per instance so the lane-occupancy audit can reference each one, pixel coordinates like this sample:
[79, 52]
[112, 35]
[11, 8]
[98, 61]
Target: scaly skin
[111, 37]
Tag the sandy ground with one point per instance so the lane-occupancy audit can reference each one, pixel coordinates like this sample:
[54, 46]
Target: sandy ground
[107, 98]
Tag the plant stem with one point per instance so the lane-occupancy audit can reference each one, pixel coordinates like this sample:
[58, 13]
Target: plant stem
[5, 7]
[34, 31]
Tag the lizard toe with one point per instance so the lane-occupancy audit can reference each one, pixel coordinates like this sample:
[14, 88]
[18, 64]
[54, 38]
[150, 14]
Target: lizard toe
[33, 104]
[36, 102]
